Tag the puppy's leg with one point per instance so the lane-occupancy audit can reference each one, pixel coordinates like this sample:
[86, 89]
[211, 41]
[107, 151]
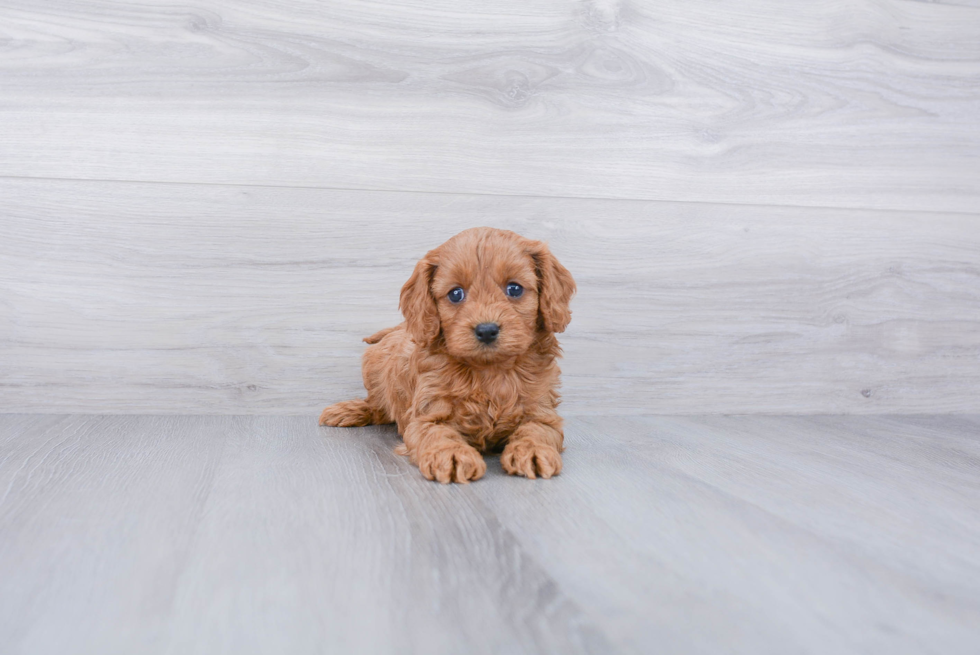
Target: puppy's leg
[533, 450]
[442, 454]
[373, 410]
[351, 413]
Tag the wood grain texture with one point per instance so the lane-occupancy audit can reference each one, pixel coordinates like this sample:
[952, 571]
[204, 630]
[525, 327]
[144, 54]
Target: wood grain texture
[268, 534]
[96, 521]
[871, 103]
[801, 534]
[129, 298]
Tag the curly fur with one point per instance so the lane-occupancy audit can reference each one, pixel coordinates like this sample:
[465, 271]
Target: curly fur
[453, 397]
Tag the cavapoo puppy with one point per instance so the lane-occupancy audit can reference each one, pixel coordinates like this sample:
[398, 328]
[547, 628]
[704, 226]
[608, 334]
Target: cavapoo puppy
[473, 367]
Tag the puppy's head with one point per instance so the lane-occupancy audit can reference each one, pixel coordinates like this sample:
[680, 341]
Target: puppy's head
[488, 292]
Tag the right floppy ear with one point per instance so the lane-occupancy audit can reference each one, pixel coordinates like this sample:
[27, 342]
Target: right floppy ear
[556, 288]
[418, 306]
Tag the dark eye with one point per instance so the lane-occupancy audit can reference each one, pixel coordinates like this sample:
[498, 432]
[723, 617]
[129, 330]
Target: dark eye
[457, 295]
[514, 290]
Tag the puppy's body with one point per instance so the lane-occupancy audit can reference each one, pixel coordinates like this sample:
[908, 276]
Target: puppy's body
[485, 404]
[452, 391]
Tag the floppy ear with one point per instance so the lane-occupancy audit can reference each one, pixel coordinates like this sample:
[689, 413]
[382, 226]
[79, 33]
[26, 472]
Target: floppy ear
[418, 306]
[555, 289]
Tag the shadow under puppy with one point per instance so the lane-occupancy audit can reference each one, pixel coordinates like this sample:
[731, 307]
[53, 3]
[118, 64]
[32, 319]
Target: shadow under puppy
[473, 367]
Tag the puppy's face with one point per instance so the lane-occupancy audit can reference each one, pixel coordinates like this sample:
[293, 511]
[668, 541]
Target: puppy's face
[488, 292]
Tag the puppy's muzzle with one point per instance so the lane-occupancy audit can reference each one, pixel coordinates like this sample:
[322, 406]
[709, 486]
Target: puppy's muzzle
[486, 332]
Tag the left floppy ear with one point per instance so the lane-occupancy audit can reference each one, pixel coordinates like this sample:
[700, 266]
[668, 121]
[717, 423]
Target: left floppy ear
[555, 288]
[417, 304]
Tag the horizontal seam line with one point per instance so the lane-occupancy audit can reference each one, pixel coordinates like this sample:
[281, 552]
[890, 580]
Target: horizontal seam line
[492, 195]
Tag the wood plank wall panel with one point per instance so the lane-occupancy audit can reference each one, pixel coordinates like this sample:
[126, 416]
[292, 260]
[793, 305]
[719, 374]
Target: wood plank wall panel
[866, 103]
[132, 297]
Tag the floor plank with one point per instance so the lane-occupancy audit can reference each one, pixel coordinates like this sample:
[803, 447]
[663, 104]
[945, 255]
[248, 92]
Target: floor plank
[847, 104]
[681, 534]
[713, 522]
[96, 523]
[129, 298]
[338, 545]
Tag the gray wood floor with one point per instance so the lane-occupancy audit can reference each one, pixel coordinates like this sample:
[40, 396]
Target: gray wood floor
[701, 534]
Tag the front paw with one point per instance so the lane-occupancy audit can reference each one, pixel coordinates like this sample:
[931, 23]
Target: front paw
[451, 461]
[530, 459]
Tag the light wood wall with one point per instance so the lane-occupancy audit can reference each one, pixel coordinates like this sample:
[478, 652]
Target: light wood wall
[769, 207]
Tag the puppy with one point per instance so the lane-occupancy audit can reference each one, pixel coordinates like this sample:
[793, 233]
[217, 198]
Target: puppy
[473, 367]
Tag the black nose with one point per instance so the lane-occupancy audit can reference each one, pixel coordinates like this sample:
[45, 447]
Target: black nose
[487, 332]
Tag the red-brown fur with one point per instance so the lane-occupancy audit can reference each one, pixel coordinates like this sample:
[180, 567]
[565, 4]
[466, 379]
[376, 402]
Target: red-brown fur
[453, 397]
